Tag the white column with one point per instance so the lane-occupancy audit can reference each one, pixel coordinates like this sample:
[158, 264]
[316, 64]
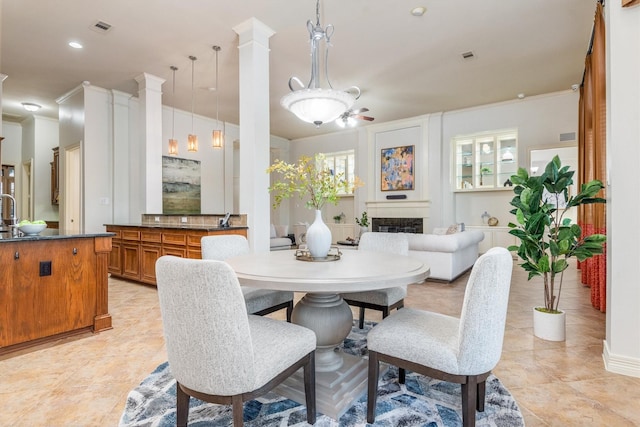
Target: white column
[150, 140]
[622, 343]
[122, 178]
[254, 129]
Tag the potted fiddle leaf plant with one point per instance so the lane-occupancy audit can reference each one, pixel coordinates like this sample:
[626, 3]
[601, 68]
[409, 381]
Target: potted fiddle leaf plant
[548, 239]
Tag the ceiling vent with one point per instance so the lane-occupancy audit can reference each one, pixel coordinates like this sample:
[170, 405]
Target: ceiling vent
[569, 136]
[101, 27]
[468, 55]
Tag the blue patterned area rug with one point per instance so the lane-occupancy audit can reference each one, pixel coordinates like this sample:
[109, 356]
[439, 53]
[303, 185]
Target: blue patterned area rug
[421, 401]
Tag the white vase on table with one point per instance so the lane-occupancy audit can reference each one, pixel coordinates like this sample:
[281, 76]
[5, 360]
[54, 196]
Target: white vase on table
[318, 237]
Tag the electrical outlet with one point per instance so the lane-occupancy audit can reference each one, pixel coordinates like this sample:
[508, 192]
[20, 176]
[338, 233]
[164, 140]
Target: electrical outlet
[183, 219]
[45, 268]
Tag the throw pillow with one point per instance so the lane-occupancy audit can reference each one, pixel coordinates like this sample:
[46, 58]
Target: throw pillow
[452, 229]
[273, 231]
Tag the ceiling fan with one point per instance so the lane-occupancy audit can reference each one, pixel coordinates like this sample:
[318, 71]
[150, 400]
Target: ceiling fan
[349, 117]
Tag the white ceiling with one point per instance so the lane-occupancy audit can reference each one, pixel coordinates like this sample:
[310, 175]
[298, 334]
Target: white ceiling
[405, 65]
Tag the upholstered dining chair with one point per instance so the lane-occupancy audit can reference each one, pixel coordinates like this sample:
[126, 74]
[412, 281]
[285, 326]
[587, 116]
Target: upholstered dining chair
[216, 352]
[383, 300]
[258, 301]
[463, 350]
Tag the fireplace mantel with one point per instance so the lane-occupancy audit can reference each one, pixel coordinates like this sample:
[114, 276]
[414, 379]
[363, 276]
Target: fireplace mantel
[400, 209]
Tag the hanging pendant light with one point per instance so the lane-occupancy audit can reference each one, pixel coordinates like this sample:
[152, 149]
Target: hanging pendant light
[173, 143]
[217, 136]
[314, 104]
[192, 142]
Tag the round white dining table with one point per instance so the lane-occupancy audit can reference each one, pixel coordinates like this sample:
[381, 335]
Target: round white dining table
[322, 309]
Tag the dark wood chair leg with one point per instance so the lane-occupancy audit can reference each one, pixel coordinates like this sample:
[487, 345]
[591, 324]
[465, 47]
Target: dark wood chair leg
[482, 386]
[385, 312]
[182, 407]
[372, 386]
[402, 375]
[469, 400]
[237, 407]
[310, 388]
[361, 318]
[289, 311]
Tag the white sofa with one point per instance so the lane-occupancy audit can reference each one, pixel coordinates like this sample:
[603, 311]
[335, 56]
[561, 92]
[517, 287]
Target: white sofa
[447, 255]
[279, 241]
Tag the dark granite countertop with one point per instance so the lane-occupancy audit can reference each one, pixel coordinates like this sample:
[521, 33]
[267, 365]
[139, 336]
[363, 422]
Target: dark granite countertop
[182, 227]
[49, 234]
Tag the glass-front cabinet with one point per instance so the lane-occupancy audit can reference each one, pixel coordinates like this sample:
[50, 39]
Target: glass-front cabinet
[485, 161]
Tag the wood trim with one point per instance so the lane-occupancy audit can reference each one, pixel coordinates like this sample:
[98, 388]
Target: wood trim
[628, 3]
[102, 318]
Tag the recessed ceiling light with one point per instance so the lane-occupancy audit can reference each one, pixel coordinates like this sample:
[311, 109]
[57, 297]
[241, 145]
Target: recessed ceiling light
[418, 11]
[521, 96]
[30, 106]
[75, 45]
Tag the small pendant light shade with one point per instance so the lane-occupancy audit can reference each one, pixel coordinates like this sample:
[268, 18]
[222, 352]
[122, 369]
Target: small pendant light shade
[173, 147]
[192, 142]
[217, 136]
[173, 143]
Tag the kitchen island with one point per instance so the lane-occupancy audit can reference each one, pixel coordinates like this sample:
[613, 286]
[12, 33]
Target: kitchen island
[136, 247]
[52, 285]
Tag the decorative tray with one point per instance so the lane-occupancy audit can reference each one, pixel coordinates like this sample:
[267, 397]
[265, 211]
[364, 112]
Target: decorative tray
[304, 255]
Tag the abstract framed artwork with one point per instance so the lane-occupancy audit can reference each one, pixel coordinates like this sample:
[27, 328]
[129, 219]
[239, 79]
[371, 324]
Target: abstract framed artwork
[397, 168]
[180, 186]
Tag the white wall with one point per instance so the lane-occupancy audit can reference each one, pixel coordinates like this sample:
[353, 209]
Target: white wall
[40, 135]
[339, 141]
[12, 144]
[71, 114]
[12, 155]
[622, 344]
[97, 157]
[539, 120]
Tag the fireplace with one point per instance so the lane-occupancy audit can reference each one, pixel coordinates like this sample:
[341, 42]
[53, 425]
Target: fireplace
[397, 225]
[399, 216]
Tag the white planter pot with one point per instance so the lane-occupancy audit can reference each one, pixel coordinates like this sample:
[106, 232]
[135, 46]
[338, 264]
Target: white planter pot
[548, 326]
[362, 231]
[318, 237]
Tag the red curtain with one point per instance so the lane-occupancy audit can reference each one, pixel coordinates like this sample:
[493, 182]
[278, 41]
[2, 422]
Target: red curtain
[592, 156]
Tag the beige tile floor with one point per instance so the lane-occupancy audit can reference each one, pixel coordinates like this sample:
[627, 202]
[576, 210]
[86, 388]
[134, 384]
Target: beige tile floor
[84, 381]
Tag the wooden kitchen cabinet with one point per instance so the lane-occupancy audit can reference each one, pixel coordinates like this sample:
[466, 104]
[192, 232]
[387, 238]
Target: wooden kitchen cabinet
[52, 287]
[136, 248]
[149, 253]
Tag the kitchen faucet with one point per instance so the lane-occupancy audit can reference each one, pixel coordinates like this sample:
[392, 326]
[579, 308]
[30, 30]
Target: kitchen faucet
[13, 221]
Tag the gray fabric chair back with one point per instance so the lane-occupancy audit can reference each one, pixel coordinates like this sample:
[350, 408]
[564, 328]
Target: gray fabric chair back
[484, 312]
[396, 243]
[206, 327]
[224, 246]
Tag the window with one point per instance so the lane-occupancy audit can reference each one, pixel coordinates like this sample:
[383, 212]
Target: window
[485, 161]
[341, 162]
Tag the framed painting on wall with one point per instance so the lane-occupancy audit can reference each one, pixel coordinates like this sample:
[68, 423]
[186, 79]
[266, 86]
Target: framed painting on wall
[397, 168]
[180, 186]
